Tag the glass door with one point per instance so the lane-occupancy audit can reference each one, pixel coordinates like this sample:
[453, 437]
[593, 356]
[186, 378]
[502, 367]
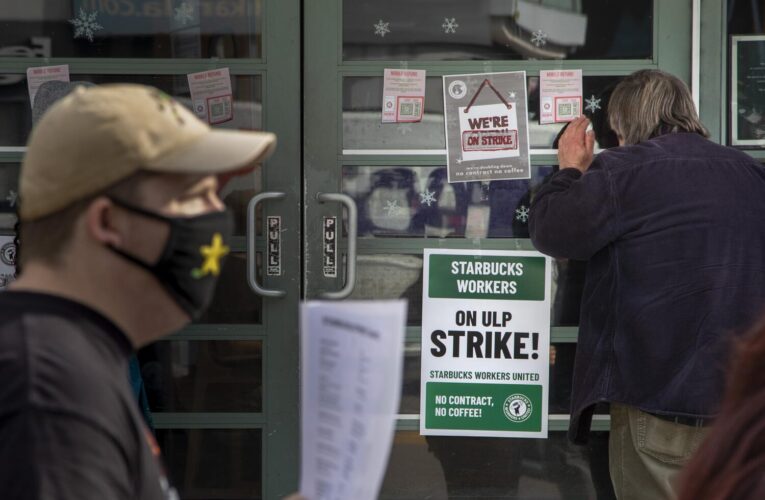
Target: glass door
[395, 176]
[223, 392]
[732, 43]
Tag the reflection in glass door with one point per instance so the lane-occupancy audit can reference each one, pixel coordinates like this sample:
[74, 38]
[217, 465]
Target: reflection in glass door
[395, 173]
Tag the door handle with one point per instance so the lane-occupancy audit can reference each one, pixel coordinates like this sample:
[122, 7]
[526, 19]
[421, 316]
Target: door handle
[350, 275]
[252, 277]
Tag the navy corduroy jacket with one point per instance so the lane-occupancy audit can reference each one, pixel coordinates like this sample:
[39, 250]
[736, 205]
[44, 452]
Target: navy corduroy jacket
[674, 232]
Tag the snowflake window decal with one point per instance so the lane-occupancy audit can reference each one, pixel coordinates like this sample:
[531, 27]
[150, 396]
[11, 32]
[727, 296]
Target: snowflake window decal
[522, 213]
[85, 24]
[593, 104]
[450, 25]
[381, 28]
[12, 198]
[427, 197]
[184, 14]
[539, 38]
[391, 208]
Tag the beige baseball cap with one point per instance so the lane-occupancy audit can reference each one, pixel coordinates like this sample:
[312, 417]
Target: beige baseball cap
[95, 137]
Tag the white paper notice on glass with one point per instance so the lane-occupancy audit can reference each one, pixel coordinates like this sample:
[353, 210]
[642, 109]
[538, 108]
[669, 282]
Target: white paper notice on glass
[560, 95]
[351, 364]
[403, 95]
[211, 95]
[38, 75]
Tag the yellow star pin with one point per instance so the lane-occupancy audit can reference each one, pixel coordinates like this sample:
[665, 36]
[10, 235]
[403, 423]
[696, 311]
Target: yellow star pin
[212, 254]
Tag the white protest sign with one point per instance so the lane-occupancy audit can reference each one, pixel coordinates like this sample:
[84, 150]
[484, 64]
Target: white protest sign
[486, 127]
[485, 343]
[403, 95]
[489, 131]
[560, 95]
[211, 95]
[351, 369]
[38, 75]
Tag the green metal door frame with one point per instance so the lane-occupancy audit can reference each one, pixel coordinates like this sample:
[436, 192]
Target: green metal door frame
[281, 360]
[280, 70]
[713, 63]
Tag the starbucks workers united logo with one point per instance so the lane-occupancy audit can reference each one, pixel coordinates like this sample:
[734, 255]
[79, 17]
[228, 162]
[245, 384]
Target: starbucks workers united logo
[8, 254]
[517, 408]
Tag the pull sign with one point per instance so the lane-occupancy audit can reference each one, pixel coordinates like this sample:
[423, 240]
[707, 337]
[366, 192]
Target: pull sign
[274, 251]
[330, 247]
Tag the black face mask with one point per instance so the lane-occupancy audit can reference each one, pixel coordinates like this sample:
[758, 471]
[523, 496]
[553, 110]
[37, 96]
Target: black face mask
[192, 258]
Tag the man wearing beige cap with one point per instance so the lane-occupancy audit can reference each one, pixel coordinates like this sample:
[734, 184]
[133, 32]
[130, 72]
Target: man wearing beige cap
[122, 239]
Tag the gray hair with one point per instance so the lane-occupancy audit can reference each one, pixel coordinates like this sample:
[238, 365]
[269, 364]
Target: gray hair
[649, 103]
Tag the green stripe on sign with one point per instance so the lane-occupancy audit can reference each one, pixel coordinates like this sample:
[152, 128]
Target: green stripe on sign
[483, 407]
[486, 277]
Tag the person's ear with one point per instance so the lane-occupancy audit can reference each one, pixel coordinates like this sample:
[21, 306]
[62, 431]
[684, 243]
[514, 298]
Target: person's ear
[101, 222]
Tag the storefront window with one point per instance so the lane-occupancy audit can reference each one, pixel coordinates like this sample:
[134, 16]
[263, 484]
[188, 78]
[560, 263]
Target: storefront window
[203, 376]
[485, 29]
[419, 202]
[16, 111]
[132, 28]
[363, 127]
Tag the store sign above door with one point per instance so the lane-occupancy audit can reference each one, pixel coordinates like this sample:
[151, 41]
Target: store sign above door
[486, 121]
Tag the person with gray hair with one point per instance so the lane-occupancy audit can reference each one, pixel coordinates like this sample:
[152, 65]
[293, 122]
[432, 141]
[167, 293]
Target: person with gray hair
[651, 103]
[671, 226]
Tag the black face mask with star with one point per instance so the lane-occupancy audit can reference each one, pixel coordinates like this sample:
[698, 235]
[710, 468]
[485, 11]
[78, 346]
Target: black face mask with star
[192, 258]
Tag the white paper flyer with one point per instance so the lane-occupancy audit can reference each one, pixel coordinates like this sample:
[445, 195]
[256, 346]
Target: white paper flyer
[211, 95]
[38, 75]
[351, 369]
[403, 95]
[560, 95]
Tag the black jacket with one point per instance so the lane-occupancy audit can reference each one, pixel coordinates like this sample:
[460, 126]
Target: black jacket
[674, 231]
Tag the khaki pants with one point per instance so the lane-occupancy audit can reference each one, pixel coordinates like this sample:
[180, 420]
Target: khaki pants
[646, 453]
